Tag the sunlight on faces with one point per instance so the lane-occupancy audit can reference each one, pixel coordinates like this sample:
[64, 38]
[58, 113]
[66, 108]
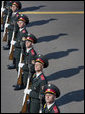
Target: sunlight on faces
[21, 24]
[38, 67]
[28, 44]
[50, 98]
[14, 8]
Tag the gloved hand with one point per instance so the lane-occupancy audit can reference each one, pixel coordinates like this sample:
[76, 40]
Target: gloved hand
[2, 9]
[13, 42]
[21, 65]
[6, 25]
[27, 91]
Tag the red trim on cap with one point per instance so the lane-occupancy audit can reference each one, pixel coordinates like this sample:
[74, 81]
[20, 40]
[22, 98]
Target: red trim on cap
[50, 90]
[29, 38]
[39, 60]
[55, 109]
[22, 19]
[14, 3]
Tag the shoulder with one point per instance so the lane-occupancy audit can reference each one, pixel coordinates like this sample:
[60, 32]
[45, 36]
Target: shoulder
[17, 14]
[33, 52]
[55, 109]
[24, 31]
[42, 77]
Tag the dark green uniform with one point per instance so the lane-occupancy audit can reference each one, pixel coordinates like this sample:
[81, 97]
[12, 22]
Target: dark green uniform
[7, 11]
[13, 17]
[52, 109]
[21, 33]
[13, 20]
[51, 89]
[28, 57]
[36, 87]
[37, 84]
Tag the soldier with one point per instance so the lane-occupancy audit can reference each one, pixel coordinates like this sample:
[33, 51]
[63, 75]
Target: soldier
[5, 11]
[13, 16]
[51, 93]
[38, 81]
[29, 55]
[22, 21]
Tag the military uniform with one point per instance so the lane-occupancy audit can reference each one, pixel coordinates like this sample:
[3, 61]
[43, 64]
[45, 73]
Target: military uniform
[13, 17]
[6, 11]
[22, 32]
[28, 56]
[37, 83]
[52, 109]
[51, 89]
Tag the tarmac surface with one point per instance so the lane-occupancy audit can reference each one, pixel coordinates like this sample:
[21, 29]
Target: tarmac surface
[61, 39]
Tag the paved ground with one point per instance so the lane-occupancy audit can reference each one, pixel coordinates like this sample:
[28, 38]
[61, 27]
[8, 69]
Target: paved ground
[61, 39]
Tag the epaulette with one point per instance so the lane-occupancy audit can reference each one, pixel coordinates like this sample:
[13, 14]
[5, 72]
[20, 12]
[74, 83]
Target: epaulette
[42, 77]
[32, 52]
[17, 14]
[24, 31]
[55, 109]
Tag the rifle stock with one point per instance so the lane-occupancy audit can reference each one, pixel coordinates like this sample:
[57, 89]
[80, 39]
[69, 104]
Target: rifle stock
[26, 96]
[5, 29]
[11, 53]
[2, 7]
[19, 80]
[2, 18]
[5, 36]
[24, 108]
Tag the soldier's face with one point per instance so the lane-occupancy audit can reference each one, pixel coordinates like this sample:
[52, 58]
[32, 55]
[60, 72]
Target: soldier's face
[38, 67]
[21, 24]
[28, 44]
[49, 98]
[14, 8]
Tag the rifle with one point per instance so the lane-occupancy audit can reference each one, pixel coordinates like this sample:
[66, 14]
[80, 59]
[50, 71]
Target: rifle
[26, 96]
[12, 46]
[2, 9]
[5, 29]
[19, 79]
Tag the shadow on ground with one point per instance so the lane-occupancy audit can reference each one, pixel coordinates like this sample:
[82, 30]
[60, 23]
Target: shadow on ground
[65, 73]
[74, 96]
[51, 37]
[57, 55]
[40, 22]
[32, 8]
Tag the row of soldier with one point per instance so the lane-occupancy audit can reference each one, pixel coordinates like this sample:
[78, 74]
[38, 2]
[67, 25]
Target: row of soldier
[39, 95]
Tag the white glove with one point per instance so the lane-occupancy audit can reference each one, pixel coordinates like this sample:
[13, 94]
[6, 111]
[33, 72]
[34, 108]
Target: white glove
[2, 9]
[13, 42]
[6, 25]
[27, 91]
[21, 65]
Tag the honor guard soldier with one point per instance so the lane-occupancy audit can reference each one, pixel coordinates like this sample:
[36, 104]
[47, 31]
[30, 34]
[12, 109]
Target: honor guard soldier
[51, 93]
[13, 16]
[22, 21]
[38, 81]
[4, 12]
[28, 59]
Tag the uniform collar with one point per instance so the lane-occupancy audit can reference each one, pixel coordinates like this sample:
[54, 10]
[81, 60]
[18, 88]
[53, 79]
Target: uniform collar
[38, 74]
[14, 13]
[49, 106]
[21, 29]
[28, 49]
